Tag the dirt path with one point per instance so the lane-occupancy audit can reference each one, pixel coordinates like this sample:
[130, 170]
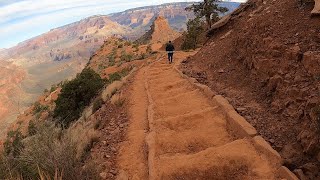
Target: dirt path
[176, 132]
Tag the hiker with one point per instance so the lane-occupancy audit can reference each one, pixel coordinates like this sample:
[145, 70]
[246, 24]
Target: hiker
[170, 50]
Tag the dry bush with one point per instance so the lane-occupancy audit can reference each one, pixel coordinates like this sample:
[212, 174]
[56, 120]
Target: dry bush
[57, 176]
[48, 152]
[83, 134]
[111, 90]
[117, 100]
[52, 153]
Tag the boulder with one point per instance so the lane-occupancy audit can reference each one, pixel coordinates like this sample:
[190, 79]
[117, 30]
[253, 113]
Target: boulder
[311, 170]
[274, 82]
[316, 9]
[299, 173]
[310, 142]
[294, 53]
[291, 154]
[311, 62]
[265, 66]
[103, 175]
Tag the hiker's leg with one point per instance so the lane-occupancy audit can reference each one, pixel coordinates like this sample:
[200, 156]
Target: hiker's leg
[169, 57]
[172, 57]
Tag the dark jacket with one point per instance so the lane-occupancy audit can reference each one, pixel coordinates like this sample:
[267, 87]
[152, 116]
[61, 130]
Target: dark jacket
[170, 47]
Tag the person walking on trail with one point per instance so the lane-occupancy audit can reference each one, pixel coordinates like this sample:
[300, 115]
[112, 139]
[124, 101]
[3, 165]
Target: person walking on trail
[170, 51]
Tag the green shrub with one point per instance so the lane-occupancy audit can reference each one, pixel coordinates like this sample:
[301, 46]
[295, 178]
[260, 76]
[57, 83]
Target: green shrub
[53, 88]
[114, 77]
[126, 57]
[135, 47]
[76, 95]
[124, 72]
[97, 104]
[141, 56]
[194, 30]
[101, 67]
[120, 46]
[118, 75]
[38, 108]
[112, 63]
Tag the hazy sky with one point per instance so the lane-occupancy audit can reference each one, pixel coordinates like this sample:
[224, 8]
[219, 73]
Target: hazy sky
[23, 19]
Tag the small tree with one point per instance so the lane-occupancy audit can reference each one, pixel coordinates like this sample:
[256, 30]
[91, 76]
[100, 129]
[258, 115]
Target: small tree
[194, 29]
[208, 9]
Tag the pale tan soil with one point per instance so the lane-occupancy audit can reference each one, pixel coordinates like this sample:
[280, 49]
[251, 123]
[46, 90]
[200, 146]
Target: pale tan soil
[175, 132]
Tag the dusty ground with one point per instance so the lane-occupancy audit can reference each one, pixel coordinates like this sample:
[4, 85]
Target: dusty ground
[175, 132]
[113, 127]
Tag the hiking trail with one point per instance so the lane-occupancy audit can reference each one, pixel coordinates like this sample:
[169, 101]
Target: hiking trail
[177, 132]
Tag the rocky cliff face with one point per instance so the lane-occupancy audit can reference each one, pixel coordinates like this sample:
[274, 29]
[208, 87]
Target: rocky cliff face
[75, 40]
[11, 94]
[159, 33]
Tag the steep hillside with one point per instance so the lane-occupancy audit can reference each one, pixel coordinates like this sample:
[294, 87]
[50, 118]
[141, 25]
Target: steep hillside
[100, 126]
[11, 94]
[265, 60]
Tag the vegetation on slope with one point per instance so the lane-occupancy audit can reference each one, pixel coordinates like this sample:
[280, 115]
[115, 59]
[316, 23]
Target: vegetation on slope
[209, 10]
[62, 127]
[48, 149]
[76, 95]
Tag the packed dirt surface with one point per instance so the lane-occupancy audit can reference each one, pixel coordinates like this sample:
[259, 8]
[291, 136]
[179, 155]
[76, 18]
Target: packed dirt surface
[265, 61]
[176, 132]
